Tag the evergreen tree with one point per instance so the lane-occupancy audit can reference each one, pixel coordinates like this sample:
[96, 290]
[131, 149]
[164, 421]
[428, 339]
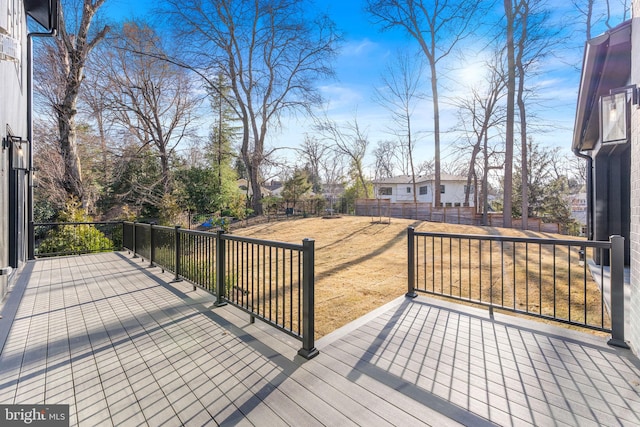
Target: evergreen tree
[296, 187]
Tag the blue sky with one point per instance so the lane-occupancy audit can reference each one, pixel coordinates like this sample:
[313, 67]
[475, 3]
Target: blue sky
[367, 51]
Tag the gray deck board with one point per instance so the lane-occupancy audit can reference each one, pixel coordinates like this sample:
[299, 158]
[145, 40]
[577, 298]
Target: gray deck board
[124, 345]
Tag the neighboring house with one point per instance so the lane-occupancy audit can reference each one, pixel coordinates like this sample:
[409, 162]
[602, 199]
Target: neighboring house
[607, 136]
[399, 189]
[244, 186]
[16, 197]
[274, 187]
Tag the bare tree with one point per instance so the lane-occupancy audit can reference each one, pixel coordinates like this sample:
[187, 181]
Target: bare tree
[585, 8]
[50, 167]
[153, 99]
[533, 41]
[437, 26]
[482, 112]
[399, 95]
[326, 164]
[313, 152]
[95, 109]
[350, 141]
[72, 47]
[269, 51]
[385, 154]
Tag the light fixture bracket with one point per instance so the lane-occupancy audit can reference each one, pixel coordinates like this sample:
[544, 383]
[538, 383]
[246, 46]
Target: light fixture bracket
[635, 96]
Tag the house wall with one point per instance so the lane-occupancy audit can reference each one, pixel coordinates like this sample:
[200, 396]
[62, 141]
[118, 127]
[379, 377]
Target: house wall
[13, 113]
[633, 335]
[454, 193]
[612, 170]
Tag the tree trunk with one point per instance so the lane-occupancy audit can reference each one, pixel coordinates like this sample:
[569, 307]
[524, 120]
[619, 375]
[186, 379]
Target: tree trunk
[436, 134]
[524, 13]
[256, 189]
[72, 181]
[472, 170]
[510, 117]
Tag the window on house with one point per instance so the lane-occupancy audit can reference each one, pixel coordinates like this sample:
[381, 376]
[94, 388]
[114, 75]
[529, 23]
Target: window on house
[385, 191]
[448, 204]
[424, 190]
[457, 204]
[442, 189]
[470, 187]
[408, 190]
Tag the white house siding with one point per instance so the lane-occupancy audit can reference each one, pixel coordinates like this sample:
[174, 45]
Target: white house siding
[453, 195]
[13, 113]
[634, 309]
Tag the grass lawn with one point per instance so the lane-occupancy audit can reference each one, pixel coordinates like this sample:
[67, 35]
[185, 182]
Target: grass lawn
[360, 264]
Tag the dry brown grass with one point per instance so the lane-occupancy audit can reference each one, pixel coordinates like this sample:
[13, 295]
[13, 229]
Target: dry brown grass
[361, 265]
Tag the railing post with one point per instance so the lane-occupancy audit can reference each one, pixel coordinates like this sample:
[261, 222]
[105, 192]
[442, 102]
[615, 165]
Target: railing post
[31, 243]
[177, 239]
[308, 350]
[152, 248]
[616, 290]
[411, 258]
[121, 247]
[220, 272]
[134, 240]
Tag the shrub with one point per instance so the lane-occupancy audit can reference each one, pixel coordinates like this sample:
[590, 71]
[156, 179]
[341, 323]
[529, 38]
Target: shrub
[74, 239]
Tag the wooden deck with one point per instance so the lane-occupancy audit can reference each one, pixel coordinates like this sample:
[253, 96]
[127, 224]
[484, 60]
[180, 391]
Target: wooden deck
[122, 345]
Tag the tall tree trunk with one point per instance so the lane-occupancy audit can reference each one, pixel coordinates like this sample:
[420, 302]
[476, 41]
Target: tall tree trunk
[72, 180]
[472, 170]
[436, 133]
[510, 118]
[524, 13]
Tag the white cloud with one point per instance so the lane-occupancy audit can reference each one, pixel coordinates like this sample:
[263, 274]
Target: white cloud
[358, 47]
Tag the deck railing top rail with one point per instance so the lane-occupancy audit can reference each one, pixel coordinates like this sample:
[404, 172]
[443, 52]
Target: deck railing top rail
[516, 239]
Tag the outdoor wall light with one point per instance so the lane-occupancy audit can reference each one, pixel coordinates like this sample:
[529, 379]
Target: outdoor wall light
[614, 114]
[19, 151]
[33, 179]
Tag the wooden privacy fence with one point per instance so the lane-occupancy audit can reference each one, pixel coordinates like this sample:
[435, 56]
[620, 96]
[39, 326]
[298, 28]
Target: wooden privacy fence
[424, 211]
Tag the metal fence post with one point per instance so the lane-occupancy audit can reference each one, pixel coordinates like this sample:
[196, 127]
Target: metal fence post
[134, 240]
[411, 273]
[31, 243]
[308, 350]
[121, 248]
[220, 272]
[177, 239]
[152, 249]
[616, 288]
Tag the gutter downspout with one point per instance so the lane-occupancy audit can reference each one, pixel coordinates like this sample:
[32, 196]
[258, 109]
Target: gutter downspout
[589, 160]
[30, 232]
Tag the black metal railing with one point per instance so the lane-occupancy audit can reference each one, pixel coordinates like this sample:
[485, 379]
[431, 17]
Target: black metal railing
[271, 281]
[546, 278]
[74, 238]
